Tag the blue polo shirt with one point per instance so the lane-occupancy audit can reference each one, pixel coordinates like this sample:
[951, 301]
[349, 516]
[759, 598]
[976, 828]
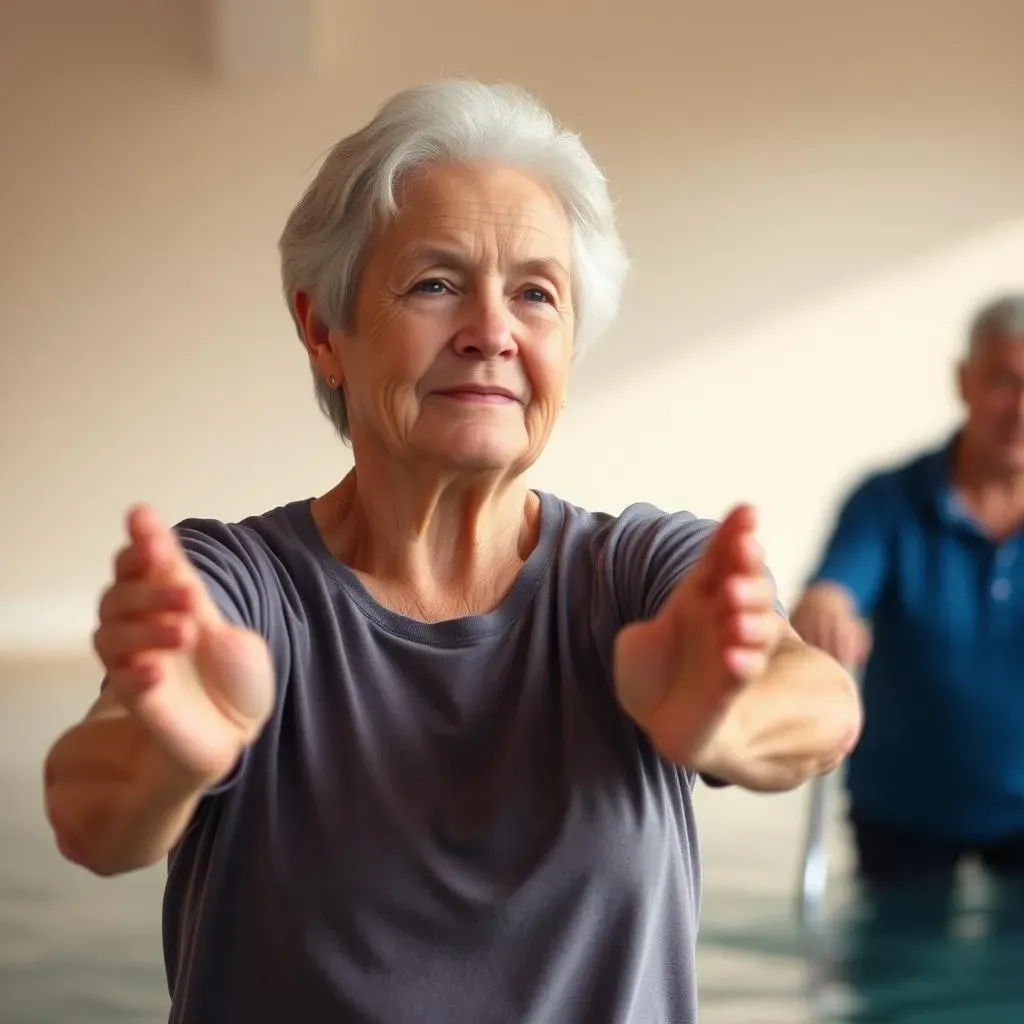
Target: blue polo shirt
[942, 752]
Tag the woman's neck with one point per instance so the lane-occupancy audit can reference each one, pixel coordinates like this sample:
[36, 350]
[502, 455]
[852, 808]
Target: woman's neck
[427, 548]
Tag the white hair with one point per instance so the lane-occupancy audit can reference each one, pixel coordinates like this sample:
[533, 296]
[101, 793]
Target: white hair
[325, 238]
[998, 319]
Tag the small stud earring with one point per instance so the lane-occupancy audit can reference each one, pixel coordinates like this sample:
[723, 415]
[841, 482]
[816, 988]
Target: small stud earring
[332, 380]
[563, 403]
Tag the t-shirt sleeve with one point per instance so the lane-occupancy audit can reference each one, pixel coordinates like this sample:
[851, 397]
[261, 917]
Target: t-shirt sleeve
[228, 562]
[856, 554]
[649, 552]
[228, 566]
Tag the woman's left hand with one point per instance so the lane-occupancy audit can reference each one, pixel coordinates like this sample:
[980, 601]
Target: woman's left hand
[677, 674]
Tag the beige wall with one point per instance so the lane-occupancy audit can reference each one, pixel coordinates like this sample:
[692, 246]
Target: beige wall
[813, 202]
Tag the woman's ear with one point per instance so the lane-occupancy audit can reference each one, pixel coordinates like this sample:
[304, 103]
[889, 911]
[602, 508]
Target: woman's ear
[316, 336]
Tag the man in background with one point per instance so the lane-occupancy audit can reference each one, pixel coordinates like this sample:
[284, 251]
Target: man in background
[922, 586]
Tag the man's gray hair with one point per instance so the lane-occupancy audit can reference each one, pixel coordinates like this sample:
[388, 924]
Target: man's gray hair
[1000, 318]
[324, 242]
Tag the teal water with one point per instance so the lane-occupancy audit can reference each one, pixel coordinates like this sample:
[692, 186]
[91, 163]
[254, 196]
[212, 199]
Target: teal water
[79, 950]
[920, 957]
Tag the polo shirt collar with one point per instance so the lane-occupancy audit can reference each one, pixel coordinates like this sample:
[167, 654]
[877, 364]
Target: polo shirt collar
[938, 484]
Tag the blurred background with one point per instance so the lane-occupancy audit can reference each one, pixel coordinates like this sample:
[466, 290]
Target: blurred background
[815, 198]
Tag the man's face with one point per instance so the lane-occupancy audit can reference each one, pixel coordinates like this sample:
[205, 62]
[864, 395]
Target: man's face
[992, 388]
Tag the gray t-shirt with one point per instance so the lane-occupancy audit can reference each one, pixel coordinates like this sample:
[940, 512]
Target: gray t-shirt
[450, 823]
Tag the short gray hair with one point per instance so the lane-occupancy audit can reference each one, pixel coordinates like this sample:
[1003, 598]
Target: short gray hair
[1002, 317]
[324, 241]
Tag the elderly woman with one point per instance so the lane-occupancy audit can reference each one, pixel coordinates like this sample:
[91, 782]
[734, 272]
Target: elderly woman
[422, 748]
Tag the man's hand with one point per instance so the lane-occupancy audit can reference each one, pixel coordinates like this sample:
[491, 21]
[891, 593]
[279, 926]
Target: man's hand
[827, 618]
[678, 674]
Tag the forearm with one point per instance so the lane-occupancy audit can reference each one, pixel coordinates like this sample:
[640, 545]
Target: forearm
[798, 720]
[113, 799]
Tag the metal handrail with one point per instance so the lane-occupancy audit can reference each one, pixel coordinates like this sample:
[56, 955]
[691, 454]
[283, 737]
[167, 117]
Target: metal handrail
[814, 862]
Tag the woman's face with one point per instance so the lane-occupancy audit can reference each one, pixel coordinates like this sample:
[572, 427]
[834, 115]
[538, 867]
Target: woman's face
[463, 327]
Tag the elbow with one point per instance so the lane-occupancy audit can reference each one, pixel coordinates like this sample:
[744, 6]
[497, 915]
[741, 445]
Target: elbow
[842, 722]
[771, 775]
[849, 721]
[90, 850]
[80, 841]
[85, 833]
[77, 850]
[781, 775]
[814, 742]
[840, 740]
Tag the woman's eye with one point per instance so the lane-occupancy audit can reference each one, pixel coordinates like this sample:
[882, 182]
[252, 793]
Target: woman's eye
[431, 286]
[536, 295]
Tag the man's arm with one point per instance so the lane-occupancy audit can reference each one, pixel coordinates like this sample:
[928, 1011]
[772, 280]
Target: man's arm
[856, 556]
[799, 719]
[844, 588]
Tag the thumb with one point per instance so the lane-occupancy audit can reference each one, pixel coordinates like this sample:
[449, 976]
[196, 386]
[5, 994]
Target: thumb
[641, 662]
[163, 553]
[236, 669]
[716, 561]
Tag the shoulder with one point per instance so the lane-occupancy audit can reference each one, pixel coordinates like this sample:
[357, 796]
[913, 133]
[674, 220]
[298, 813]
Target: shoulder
[242, 546]
[639, 525]
[651, 527]
[241, 561]
[633, 557]
[890, 486]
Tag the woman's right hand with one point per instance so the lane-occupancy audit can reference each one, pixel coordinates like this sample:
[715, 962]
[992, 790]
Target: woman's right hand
[827, 618]
[200, 686]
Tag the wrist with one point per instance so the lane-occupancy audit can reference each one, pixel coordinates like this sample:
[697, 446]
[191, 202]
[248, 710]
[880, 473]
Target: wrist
[166, 782]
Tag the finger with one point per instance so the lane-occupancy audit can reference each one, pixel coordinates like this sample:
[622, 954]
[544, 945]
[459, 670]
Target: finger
[748, 554]
[742, 517]
[855, 646]
[718, 557]
[142, 523]
[140, 598]
[148, 532]
[743, 555]
[146, 548]
[130, 681]
[847, 646]
[862, 648]
[740, 551]
[116, 643]
[745, 663]
[119, 641]
[133, 562]
[747, 629]
[839, 639]
[169, 559]
[749, 593]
